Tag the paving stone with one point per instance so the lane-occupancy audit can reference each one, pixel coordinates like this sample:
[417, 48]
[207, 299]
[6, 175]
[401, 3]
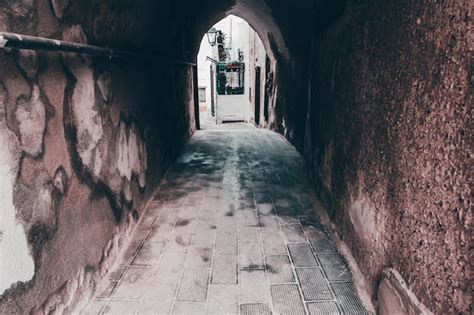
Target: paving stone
[169, 268]
[282, 204]
[134, 246]
[293, 233]
[347, 296]
[265, 208]
[185, 224]
[249, 234]
[253, 287]
[322, 246]
[273, 244]
[226, 243]
[334, 267]
[160, 233]
[287, 218]
[223, 299]
[247, 218]
[236, 200]
[139, 236]
[323, 308]
[187, 308]
[198, 256]
[127, 258]
[255, 309]
[279, 269]
[302, 255]
[204, 236]
[320, 240]
[286, 299]
[105, 289]
[224, 270]
[95, 307]
[313, 284]
[132, 284]
[310, 221]
[117, 273]
[167, 218]
[115, 307]
[246, 204]
[269, 224]
[158, 299]
[193, 286]
[178, 244]
[149, 254]
[251, 256]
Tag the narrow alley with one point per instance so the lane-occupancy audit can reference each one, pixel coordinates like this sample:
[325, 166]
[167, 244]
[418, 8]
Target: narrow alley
[231, 228]
[236, 157]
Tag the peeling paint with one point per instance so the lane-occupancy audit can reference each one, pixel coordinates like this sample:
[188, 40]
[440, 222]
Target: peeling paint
[60, 180]
[104, 82]
[31, 115]
[132, 156]
[87, 119]
[78, 290]
[16, 262]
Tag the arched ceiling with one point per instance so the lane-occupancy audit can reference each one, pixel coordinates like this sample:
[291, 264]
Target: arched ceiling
[256, 12]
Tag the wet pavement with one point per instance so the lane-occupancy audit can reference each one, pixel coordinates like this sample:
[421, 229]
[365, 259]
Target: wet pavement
[231, 230]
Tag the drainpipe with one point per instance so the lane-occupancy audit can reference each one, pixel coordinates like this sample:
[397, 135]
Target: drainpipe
[19, 41]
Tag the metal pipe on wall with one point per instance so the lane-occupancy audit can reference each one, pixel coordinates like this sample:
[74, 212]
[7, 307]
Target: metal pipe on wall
[19, 41]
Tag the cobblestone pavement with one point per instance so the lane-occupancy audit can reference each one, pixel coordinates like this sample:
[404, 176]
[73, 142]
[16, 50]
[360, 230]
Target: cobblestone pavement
[231, 231]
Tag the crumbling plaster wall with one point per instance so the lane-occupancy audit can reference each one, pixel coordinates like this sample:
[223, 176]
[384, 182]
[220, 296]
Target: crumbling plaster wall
[83, 143]
[387, 140]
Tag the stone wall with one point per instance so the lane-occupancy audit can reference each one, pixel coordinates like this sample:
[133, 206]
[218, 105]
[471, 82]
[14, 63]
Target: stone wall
[83, 143]
[388, 143]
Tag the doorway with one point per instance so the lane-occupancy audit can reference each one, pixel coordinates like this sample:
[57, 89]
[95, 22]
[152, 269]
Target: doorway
[268, 87]
[257, 95]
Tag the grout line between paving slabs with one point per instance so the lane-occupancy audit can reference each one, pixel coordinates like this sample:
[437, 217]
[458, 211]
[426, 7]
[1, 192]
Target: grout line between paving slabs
[178, 286]
[211, 265]
[291, 262]
[323, 272]
[264, 257]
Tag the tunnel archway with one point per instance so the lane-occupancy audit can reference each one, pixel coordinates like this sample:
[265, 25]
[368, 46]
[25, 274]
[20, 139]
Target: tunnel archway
[232, 86]
[97, 103]
[259, 16]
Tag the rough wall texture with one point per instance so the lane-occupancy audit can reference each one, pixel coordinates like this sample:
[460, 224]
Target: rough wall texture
[384, 127]
[388, 142]
[83, 142]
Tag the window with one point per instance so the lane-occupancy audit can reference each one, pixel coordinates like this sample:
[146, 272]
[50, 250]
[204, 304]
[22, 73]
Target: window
[202, 94]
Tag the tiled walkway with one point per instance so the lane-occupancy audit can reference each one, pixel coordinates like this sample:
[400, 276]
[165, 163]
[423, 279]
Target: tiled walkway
[231, 231]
